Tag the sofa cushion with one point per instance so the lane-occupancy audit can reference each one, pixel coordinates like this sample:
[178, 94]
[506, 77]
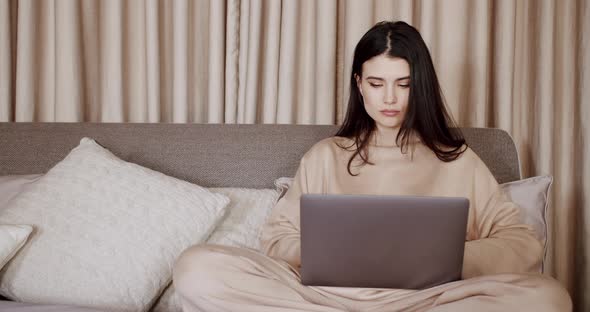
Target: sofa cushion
[9, 306]
[107, 232]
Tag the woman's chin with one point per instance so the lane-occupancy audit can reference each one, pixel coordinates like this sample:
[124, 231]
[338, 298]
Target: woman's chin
[390, 124]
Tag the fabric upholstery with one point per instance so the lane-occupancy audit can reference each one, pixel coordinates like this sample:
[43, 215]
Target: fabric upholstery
[250, 156]
[9, 306]
[237, 155]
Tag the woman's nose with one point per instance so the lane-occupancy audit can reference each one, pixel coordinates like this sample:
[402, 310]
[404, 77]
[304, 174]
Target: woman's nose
[390, 97]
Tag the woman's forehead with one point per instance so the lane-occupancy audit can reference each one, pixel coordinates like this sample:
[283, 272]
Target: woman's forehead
[386, 67]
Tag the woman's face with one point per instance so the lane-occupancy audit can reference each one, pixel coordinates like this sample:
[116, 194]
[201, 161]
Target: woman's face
[385, 87]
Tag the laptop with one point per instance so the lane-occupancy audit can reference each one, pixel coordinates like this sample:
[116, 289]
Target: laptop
[404, 242]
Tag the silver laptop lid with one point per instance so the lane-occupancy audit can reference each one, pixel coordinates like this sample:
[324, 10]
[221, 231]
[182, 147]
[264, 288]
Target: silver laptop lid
[407, 242]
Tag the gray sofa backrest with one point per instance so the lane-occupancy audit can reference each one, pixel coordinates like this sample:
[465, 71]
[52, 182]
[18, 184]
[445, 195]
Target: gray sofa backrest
[211, 155]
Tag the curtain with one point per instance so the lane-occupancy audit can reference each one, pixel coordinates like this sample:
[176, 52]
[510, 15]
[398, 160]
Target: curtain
[522, 66]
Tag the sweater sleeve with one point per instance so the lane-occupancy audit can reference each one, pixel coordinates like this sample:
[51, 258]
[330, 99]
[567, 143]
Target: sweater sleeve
[281, 236]
[503, 243]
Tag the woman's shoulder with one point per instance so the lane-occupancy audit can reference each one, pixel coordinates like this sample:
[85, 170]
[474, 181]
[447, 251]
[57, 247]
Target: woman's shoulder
[328, 147]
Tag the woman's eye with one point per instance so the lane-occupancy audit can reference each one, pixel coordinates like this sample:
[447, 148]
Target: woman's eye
[404, 86]
[375, 85]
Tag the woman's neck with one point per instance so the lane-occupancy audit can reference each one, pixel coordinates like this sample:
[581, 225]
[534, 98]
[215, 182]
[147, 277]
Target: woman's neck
[388, 137]
[385, 137]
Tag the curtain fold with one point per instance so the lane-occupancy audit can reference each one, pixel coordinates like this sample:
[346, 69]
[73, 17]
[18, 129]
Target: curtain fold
[5, 62]
[581, 163]
[522, 66]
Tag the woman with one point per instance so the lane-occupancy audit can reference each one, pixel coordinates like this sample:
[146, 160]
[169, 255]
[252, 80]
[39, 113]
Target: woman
[397, 139]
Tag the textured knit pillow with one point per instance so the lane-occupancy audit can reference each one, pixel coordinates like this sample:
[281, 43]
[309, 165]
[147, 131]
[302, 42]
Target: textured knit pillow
[107, 232]
[246, 213]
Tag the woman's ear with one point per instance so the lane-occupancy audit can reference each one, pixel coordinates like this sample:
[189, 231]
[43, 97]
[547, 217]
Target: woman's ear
[358, 83]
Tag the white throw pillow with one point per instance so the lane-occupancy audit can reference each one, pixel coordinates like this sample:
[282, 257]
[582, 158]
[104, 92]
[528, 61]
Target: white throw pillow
[107, 232]
[12, 238]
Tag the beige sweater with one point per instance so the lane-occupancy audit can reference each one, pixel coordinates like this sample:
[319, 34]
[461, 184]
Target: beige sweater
[496, 240]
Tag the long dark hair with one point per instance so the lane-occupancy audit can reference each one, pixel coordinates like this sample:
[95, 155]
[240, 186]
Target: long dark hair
[426, 115]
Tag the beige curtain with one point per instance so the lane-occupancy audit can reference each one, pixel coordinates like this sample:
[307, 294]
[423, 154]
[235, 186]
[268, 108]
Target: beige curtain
[523, 66]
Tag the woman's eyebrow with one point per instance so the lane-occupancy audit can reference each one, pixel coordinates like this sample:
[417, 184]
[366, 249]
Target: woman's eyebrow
[381, 79]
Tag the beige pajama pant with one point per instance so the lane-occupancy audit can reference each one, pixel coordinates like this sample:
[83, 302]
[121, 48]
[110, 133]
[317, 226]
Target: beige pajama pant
[220, 278]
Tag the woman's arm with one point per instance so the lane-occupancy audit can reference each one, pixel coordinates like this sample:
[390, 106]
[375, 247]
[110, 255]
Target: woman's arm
[505, 244]
[281, 236]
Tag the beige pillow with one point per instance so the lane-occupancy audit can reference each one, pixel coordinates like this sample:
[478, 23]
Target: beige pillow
[532, 196]
[107, 232]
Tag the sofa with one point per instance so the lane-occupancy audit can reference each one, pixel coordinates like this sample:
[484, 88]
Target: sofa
[253, 161]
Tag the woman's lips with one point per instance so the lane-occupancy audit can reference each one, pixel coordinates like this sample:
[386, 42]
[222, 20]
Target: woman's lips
[389, 113]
